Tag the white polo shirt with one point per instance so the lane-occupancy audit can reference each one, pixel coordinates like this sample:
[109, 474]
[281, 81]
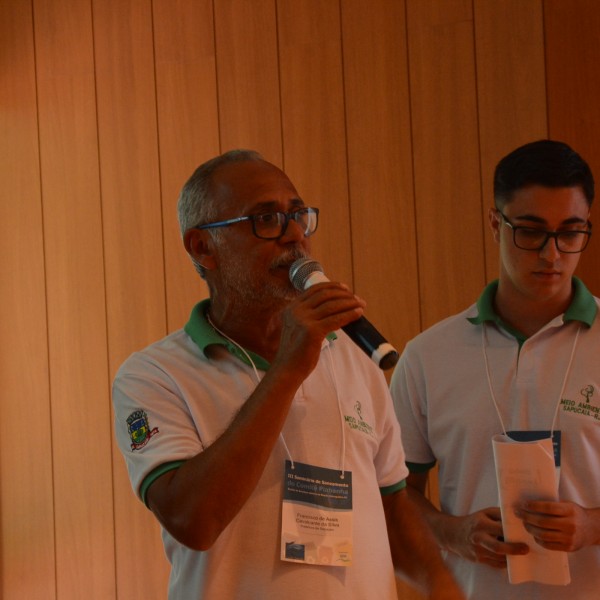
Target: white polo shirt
[443, 400]
[176, 397]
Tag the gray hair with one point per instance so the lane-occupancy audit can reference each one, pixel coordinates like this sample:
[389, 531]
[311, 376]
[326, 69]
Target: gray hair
[196, 204]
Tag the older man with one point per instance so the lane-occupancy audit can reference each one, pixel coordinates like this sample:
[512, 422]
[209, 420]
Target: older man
[265, 444]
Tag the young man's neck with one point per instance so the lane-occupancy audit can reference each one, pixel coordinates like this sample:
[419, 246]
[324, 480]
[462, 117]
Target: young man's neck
[528, 315]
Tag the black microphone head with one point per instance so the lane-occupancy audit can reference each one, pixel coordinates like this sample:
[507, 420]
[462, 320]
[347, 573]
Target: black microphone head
[301, 270]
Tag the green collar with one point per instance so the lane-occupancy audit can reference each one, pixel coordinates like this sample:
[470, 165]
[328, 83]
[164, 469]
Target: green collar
[203, 335]
[582, 308]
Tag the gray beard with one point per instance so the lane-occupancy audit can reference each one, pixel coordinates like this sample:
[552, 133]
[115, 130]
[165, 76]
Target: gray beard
[250, 293]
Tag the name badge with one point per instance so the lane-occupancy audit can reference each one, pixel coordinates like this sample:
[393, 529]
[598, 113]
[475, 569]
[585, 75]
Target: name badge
[316, 523]
[533, 436]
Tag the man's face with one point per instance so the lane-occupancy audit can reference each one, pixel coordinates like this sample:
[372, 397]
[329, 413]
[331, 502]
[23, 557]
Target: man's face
[250, 269]
[539, 275]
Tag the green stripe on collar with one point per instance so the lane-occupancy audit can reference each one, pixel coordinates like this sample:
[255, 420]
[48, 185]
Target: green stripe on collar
[486, 312]
[204, 335]
[485, 305]
[583, 307]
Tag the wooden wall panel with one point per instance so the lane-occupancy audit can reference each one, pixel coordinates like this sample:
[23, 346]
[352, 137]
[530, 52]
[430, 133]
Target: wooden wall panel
[26, 486]
[380, 165]
[129, 172]
[389, 117]
[133, 253]
[511, 90]
[446, 156]
[248, 76]
[188, 130]
[81, 437]
[314, 146]
[572, 59]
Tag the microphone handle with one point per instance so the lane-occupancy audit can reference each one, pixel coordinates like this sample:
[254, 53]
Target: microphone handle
[361, 332]
[372, 343]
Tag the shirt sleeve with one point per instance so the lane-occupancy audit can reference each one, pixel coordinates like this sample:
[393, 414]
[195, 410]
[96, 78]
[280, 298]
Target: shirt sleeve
[153, 426]
[408, 391]
[390, 463]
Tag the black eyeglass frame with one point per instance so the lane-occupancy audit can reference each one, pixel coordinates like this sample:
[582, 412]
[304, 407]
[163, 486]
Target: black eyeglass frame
[548, 235]
[292, 215]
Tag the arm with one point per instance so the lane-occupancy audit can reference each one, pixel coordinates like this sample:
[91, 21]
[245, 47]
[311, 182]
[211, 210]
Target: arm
[562, 526]
[195, 502]
[476, 537]
[414, 550]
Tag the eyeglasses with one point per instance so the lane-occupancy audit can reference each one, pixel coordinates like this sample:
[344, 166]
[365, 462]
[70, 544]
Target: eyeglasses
[273, 225]
[570, 241]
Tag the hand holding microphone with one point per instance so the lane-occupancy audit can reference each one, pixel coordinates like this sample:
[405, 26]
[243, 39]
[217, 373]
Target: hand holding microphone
[304, 273]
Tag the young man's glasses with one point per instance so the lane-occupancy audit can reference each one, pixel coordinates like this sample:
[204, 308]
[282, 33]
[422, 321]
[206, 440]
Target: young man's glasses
[271, 226]
[569, 241]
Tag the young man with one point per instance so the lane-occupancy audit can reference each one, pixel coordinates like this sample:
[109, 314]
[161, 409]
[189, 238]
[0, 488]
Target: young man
[516, 361]
[267, 447]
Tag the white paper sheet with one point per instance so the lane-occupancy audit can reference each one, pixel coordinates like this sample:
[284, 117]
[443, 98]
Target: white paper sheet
[526, 471]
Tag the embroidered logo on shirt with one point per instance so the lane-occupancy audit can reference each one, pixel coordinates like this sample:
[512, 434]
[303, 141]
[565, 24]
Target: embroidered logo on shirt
[139, 429]
[586, 408]
[359, 424]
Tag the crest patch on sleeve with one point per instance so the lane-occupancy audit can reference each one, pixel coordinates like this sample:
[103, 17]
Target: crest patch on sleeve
[139, 429]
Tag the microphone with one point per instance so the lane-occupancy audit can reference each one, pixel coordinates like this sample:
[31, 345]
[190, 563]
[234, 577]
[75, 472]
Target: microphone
[305, 272]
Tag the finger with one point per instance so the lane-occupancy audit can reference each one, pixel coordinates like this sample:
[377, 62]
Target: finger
[330, 302]
[501, 547]
[537, 523]
[498, 561]
[325, 292]
[543, 507]
[548, 536]
[493, 513]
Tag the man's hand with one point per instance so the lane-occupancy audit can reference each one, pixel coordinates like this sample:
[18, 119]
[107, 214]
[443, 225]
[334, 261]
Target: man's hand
[562, 526]
[323, 308]
[478, 538]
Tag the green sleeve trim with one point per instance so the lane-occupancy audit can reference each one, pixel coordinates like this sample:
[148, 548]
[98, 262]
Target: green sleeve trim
[155, 474]
[583, 306]
[420, 467]
[391, 489]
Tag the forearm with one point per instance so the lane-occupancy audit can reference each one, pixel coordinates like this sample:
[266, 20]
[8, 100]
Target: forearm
[199, 499]
[443, 526]
[415, 552]
[476, 537]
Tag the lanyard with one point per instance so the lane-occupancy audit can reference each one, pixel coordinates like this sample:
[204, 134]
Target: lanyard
[484, 343]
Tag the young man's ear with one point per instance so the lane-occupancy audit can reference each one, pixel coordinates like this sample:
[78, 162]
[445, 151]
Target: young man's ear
[495, 220]
[198, 244]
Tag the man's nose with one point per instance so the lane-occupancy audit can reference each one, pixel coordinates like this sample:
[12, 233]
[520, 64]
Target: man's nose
[550, 250]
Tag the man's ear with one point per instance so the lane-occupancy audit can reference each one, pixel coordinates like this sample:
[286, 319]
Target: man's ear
[199, 246]
[495, 221]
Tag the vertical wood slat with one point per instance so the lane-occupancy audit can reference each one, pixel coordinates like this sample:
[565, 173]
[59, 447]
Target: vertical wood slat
[248, 77]
[26, 486]
[572, 58]
[73, 245]
[314, 147]
[133, 253]
[446, 156]
[188, 129]
[380, 165]
[511, 90]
